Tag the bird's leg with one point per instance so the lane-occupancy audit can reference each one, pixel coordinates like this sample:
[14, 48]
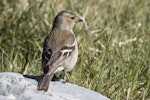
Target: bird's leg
[66, 78]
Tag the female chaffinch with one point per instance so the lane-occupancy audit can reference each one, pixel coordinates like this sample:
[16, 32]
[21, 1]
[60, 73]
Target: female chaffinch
[60, 51]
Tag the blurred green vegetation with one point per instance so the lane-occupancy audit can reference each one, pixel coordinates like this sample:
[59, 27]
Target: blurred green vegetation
[114, 42]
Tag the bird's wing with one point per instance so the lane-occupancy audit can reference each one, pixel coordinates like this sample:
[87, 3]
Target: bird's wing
[53, 57]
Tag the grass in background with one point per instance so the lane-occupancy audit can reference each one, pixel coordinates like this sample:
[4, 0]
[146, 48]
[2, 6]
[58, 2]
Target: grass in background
[114, 43]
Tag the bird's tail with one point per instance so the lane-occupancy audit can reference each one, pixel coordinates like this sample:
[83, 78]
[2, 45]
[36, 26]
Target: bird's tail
[44, 83]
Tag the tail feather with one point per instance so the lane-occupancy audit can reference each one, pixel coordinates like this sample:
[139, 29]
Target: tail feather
[44, 83]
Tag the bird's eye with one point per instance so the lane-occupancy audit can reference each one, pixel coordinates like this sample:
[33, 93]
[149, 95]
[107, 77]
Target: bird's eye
[72, 17]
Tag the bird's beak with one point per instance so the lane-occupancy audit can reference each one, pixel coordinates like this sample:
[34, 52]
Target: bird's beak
[78, 20]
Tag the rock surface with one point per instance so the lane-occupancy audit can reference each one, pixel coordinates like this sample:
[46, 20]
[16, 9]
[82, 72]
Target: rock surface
[14, 86]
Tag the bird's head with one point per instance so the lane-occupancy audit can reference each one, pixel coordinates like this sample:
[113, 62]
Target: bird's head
[66, 19]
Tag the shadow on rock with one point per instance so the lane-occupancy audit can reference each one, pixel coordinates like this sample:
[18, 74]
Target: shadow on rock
[38, 78]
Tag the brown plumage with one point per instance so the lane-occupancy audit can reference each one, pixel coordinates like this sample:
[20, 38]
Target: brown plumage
[60, 50]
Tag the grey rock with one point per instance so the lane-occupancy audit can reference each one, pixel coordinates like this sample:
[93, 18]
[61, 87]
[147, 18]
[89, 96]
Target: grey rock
[14, 86]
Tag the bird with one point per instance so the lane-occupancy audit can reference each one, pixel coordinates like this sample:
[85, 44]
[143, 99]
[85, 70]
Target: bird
[60, 49]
